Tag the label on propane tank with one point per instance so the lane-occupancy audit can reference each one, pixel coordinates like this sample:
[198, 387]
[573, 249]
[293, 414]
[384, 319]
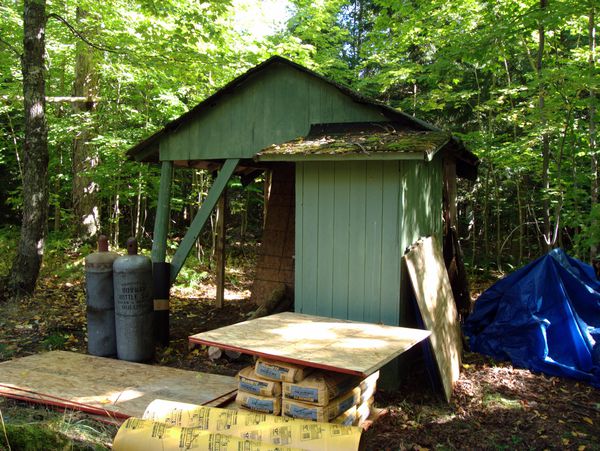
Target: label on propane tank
[132, 298]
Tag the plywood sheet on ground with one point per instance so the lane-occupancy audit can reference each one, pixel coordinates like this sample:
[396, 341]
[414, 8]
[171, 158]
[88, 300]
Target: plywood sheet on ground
[434, 296]
[332, 344]
[107, 386]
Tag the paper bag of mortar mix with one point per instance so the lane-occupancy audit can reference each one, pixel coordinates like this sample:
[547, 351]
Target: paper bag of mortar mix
[280, 371]
[269, 429]
[250, 382]
[305, 411]
[266, 404]
[320, 387]
[348, 418]
[369, 382]
[363, 411]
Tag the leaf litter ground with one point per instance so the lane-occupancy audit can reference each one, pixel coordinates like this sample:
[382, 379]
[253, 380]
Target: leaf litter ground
[494, 405]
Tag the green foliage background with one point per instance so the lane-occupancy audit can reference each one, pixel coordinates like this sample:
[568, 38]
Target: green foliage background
[468, 66]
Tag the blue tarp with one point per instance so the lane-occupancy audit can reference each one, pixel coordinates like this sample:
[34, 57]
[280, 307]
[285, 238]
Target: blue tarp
[544, 317]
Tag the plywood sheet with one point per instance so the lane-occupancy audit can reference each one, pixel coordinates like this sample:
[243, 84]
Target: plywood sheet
[107, 386]
[337, 345]
[434, 296]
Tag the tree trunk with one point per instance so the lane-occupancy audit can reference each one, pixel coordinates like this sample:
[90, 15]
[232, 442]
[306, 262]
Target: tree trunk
[486, 244]
[545, 138]
[27, 263]
[520, 216]
[84, 191]
[592, 120]
[137, 231]
[116, 217]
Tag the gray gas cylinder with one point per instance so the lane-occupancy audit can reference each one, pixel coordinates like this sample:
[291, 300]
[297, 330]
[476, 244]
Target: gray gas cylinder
[100, 301]
[134, 305]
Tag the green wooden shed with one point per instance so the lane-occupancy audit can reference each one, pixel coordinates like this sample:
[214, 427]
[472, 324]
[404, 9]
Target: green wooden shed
[354, 183]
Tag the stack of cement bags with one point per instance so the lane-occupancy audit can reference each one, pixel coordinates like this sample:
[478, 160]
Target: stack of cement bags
[307, 394]
[260, 385]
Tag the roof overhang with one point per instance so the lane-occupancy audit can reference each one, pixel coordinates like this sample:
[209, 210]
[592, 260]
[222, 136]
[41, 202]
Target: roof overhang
[385, 141]
[350, 157]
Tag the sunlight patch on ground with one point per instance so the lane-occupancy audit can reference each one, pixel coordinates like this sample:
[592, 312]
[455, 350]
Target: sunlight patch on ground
[497, 400]
[205, 291]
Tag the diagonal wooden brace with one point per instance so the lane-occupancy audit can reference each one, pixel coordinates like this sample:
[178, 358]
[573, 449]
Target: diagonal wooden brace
[202, 216]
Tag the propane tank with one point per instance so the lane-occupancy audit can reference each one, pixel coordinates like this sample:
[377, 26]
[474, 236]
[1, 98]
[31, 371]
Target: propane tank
[134, 306]
[100, 301]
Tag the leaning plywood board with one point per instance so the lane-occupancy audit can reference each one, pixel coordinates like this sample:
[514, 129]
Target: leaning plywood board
[331, 344]
[107, 386]
[434, 296]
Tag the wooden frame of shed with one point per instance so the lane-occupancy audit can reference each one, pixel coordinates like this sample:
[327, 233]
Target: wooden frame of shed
[368, 181]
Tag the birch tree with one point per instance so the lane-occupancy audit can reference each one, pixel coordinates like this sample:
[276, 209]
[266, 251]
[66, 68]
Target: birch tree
[27, 263]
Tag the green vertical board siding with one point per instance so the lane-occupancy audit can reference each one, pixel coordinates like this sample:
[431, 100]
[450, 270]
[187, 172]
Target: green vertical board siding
[310, 243]
[373, 241]
[421, 204]
[354, 221]
[299, 236]
[277, 106]
[390, 252]
[325, 235]
[341, 239]
[356, 241]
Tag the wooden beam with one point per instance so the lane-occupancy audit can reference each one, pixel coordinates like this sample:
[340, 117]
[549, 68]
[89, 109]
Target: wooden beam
[201, 217]
[220, 249]
[161, 223]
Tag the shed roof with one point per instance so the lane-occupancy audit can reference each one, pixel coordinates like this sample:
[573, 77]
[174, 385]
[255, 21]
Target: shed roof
[371, 141]
[384, 143]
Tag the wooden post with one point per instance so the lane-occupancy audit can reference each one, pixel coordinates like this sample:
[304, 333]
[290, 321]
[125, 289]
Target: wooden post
[161, 269]
[220, 250]
[161, 223]
[450, 187]
[201, 217]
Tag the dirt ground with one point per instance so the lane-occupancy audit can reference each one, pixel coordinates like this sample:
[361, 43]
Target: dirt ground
[494, 405]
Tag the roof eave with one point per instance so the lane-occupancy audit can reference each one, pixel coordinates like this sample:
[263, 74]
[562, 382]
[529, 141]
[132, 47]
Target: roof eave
[363, 156]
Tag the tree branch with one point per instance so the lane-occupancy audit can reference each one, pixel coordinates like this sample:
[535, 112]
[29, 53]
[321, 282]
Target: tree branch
[11, 48]
[81, 36]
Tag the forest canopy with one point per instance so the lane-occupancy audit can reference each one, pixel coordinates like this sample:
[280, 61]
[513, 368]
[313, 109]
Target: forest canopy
[516, 81]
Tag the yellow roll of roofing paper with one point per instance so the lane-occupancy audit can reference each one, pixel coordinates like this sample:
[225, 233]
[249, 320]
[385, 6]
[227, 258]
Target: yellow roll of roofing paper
[137, 434]
[173, 425]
